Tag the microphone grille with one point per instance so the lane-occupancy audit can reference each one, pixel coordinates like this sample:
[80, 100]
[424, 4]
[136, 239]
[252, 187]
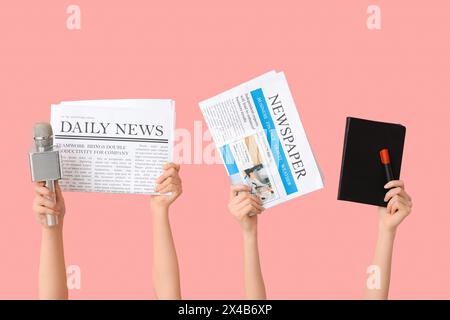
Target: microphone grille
[42, 130]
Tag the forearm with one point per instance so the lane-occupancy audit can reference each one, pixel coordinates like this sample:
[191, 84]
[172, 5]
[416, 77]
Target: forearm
[166, 277]
[382, 259]
[254, 282]
[52, 268]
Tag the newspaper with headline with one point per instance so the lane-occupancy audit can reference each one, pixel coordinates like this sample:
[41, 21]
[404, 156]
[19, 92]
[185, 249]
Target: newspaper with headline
[116, 146]
[260, 137]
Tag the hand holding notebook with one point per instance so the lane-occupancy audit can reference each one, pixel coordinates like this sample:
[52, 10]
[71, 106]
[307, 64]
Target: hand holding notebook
[372, 155]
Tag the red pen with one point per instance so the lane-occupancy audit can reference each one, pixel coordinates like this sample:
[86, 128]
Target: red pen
[386, 162]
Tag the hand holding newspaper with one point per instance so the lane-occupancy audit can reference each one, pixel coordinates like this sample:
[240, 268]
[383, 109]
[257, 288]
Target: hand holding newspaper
[116, 146]
[261, 139]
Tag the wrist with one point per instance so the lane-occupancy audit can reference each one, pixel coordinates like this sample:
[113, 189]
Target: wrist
[386, 233]
[250, 233]
[55, 228]
[160, 210]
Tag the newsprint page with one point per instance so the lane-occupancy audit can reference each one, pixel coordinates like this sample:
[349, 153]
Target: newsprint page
[116, 146]
[261, 139]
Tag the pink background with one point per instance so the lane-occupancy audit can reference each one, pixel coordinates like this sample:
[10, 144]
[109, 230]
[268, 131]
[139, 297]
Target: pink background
[312, 247]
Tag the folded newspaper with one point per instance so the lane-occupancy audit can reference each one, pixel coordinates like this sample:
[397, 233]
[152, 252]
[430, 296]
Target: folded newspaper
[116, 146]
[260, 137]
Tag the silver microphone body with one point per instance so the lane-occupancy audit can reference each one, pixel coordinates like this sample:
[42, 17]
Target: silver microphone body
[45, 162]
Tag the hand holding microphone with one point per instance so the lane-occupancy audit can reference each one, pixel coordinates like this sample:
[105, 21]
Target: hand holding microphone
[46, 170]
[44, 206]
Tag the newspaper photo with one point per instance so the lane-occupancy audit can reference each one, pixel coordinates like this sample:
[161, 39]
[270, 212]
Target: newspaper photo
[260, 137]
[115, 146]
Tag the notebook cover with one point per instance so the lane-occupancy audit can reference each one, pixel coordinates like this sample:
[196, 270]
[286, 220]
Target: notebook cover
[362, 176]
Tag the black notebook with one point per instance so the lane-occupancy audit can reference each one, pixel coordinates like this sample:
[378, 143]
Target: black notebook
[362, 173]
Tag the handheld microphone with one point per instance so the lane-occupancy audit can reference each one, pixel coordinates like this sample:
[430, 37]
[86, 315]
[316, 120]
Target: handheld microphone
[44, 162]
[386, 162]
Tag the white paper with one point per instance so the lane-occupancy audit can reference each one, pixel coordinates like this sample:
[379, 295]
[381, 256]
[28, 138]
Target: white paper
[259, 134]
[116, 146]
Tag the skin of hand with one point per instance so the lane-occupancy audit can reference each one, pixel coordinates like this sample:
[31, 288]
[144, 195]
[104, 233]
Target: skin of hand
[166, 275]
[44, 204]
[52, 268]
[398, 208]
[169, 181]
[241, 204]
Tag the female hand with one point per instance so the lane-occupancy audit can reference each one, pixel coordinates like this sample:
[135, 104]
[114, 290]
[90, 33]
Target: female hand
[244, 207]
[169, 181]
[398, 207]
[44, 202]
